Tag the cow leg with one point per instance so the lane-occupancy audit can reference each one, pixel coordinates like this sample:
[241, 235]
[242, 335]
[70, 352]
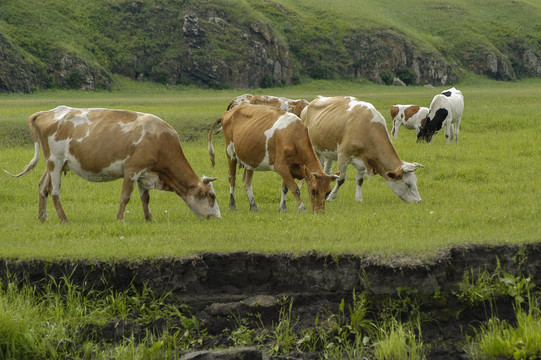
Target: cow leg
[232, 163]
[127, 188]
[288, 181]
[44, 191]
[144, 194]
[247, 179]
[360, 180]
[448, 132]
[343, 162]
[285, 189]
[457, 126]
[396, 127]
[55, 173]
[328, 166]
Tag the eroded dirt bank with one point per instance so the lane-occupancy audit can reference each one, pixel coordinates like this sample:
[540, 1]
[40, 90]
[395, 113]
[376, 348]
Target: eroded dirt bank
[221, 288]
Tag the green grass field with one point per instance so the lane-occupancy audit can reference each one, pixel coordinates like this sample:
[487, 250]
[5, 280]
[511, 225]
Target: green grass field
[486, 189]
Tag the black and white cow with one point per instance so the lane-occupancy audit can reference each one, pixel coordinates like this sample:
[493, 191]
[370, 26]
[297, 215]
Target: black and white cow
[445, 110]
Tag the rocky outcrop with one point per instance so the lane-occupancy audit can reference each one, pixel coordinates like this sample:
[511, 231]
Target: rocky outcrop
[377, 53]
[73, 72]
[247, 58]
[17, 73]
[20, 72]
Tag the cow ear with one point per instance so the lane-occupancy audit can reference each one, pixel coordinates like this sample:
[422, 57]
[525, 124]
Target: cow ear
[307, 173]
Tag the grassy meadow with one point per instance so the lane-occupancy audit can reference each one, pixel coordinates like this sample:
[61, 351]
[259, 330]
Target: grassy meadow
[485, 190]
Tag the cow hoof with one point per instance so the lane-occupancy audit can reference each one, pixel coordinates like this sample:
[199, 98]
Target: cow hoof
[302, 208]
[283, 209]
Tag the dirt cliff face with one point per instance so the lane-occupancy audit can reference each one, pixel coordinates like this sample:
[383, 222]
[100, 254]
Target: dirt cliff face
[221, 289]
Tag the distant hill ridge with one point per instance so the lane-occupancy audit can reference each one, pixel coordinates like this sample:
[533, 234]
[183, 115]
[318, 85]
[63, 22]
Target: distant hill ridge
[264, 43]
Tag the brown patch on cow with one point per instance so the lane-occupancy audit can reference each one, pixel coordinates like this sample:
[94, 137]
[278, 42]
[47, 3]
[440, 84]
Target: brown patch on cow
[423, 122]
[394, 111]
[267, 100]
[297, 106]
[47, 126]
[108, 142]
[247, 135]
[411, 111]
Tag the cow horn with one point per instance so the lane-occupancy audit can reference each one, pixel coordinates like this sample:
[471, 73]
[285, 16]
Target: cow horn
[410, 167]
[207, 180]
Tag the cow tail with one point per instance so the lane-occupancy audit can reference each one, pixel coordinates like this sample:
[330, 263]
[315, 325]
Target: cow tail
[34, 132]
[230, 105]
[211, 148]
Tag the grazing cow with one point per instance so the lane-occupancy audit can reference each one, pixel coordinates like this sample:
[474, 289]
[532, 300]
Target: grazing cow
[263, 138]
[104, 145]
[354, 132]
[292, 106]
[410, 116]
[445, 110]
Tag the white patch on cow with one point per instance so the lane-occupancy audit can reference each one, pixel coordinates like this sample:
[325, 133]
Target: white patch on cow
[127, 128]
[148, 180]
[323, 98]
[376, 116]
[354, 102]
[358, 163]
[112, 172]
[231, 150]
[61, 111]
[283, 122]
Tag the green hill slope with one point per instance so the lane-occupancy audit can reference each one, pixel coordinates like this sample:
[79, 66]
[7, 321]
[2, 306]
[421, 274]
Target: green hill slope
[252, 43]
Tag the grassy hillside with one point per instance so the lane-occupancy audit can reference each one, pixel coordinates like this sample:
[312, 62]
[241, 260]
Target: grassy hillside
[145, 38]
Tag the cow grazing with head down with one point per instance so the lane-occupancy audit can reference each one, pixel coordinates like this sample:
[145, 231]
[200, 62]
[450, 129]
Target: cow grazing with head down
[292, 106]
[354, 132]
[409, 116]
[445, 110]
[263, 138]
[103, 145]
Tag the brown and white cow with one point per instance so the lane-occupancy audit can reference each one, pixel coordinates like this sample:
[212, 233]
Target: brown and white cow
[263, 138]
[354, 132]
[292, 106]
[410, 116]
[103, 145]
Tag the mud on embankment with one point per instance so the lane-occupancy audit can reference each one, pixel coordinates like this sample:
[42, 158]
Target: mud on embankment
[215, 286]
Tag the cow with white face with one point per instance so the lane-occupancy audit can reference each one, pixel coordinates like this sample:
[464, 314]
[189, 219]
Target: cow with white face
[445, 111]
[103, 145]
[264, 138]
[289, 105]
[409, 116]
[354, 132]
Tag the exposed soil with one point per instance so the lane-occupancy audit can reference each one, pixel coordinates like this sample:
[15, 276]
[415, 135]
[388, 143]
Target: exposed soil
[222, 288]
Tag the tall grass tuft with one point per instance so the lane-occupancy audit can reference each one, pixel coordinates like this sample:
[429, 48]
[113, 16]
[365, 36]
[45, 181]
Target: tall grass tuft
[398, 341]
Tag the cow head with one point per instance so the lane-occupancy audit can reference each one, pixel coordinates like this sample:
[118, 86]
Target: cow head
[432, 126]
[319, 187]
[201, 199]
[404, 182]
